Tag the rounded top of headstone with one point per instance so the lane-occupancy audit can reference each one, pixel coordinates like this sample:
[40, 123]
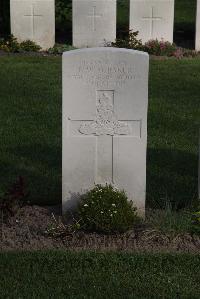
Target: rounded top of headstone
[106, 49]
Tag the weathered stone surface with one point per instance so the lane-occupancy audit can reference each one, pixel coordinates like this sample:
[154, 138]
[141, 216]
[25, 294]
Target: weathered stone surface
[154, 19]
[199, 169]
[197, 44]
[105, 99]
[94, 22]
[34, 20]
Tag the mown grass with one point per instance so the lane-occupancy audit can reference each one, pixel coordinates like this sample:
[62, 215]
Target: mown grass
[30, 125]
[173, 125]
[30, 128]
[98, 275]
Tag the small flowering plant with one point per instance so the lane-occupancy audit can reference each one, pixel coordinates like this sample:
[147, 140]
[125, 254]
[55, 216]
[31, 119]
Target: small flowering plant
[165, 48]
[106, 209]
[161, 48]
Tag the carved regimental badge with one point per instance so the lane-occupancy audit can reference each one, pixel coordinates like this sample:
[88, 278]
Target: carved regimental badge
[105, 122]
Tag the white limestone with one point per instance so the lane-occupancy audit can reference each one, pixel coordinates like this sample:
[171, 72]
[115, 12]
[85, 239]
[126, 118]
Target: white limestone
[154, 19]
[105, 99]
[197, 44]
[94, 22]
[33, 20]
[199, 170]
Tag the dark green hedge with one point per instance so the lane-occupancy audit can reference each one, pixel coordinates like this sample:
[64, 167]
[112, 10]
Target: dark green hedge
[4, 17]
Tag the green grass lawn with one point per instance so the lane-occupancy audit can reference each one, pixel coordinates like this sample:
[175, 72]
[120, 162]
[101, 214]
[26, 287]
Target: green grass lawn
[98, 275]
[30, 125]
[30, 128]
[173, 125]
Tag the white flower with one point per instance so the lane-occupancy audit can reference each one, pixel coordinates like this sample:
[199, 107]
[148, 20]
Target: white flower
[115, 212]
[113, 204]
[101, 212]
[111, 215]
[85, 205]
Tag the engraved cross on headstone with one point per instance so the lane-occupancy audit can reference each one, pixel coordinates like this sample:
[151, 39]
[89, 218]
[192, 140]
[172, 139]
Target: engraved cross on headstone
[105, 127]
[152, 19]
[33, 15]
[94, 15]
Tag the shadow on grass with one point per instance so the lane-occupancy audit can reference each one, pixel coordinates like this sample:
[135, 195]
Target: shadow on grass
[171, 178]
[41, 169]
[171, 175]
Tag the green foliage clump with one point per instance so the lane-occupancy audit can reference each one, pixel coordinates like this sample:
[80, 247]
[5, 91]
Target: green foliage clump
[59, 49]
[29, 46]
[165, 48]
[105, 209]
[11, 45]
[128, 41]
[160, 48]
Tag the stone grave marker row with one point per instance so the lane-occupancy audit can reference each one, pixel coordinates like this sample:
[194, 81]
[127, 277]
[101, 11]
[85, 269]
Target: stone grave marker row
[94, 21]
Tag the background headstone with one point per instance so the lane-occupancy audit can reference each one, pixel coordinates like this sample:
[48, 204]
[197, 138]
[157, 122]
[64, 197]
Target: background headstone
[199, 169]
[154, 19]
[33, 20]
[197, 46]
[94, 22]
[105, 99]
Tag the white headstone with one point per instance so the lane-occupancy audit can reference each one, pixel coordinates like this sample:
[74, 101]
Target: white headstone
[197, 46]
[154, 19]
[94, 22]
[199, 170]
[33, 20]
[105, 99]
